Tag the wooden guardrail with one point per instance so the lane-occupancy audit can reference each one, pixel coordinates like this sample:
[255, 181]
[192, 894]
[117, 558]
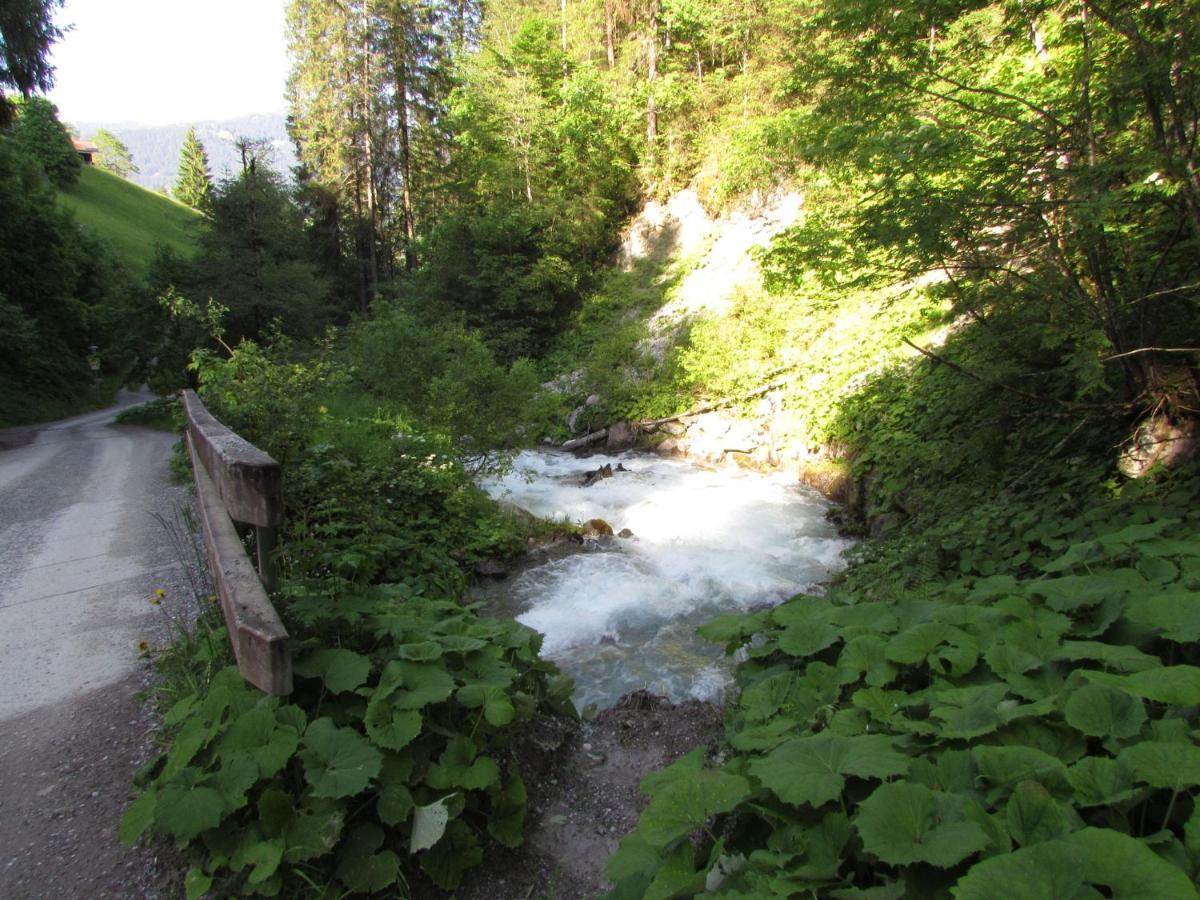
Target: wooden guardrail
[235, 481]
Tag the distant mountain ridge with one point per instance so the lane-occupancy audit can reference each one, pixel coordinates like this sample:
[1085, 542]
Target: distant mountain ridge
[155, 149]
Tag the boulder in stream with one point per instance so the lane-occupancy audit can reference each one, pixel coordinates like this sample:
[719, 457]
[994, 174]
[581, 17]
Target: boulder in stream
[595, 528]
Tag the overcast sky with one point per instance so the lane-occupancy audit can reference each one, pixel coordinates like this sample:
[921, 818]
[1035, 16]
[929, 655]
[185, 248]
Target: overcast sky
[158, 62]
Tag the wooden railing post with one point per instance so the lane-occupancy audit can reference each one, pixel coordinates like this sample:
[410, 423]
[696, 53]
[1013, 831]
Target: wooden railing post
[235, 481]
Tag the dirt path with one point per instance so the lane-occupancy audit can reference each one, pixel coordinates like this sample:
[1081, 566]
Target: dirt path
[81, 553]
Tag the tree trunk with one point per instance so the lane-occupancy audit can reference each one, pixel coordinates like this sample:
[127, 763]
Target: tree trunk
[651, 74]
[608, 33]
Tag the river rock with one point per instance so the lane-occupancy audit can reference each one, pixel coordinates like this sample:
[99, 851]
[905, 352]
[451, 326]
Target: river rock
[621, 436]
[596, 528]
[625, 533]
[490, 567]
[590, 478]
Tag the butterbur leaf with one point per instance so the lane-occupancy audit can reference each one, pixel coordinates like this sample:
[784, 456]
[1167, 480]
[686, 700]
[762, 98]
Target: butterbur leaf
[447, 860]
[805, 639]
[341, 670]
[312, 834]
[1129, 868]
[1101, 711]
[635, 855]
[677, 876]
[1178, 685]
[265, 857]
[1046, 871]
[1171, 766]
[497, 706]
[507, 820]
[338, 762]
[389, 727]
[394, 804]
[812, 770]
[903, 823]
[1100, 781]
[137, 818]
[429, 824]
[423, 651]
[1008, 766]
[458, 766]
[1175, 614]
[1033, 816]
[684, 797]
[185, 812]
[969, 712]
[361, 868]
[196, 883]
[423, 683]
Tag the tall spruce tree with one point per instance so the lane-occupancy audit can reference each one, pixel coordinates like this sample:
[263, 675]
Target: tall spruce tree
[193, 185]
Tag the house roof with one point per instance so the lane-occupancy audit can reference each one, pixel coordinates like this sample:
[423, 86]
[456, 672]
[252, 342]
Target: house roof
[85, 146]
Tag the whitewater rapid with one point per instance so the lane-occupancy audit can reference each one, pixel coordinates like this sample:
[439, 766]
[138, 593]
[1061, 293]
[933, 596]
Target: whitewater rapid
[621, 615]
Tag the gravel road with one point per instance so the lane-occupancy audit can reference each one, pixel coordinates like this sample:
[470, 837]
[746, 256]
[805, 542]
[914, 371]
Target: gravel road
[81, 553]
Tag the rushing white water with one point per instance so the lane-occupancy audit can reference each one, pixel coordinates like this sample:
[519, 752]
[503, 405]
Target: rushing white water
[622, 614]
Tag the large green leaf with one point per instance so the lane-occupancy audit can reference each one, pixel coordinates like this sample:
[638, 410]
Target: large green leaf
[184, 812]
[1175, 614]
[1171, 766]
[1008, 766]
[429, 824]
[338, 762]
[423, 683]
[812, 770]
[1100, 781]
[1070, 592]
[1046, 871]
[362, 866]
[390, 727]
[460, 766]
[969, 712]
[1130, 869]
[805, 639]
[341, 670]
[507, 820]
[903, 823]
[685, 795]
[137, 818]
[1178, 685]
[1033, 816]
[1101, 711]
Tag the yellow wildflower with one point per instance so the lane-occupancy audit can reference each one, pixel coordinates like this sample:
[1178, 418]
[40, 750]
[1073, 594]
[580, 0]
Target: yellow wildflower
[212, 598]
[322, 410]
[160, 593]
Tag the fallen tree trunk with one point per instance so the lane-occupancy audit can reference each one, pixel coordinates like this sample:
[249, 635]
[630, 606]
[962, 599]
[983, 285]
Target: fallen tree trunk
[585, 441]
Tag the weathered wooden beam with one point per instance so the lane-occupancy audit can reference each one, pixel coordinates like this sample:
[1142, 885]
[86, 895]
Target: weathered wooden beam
[258, 636]
[247, 480]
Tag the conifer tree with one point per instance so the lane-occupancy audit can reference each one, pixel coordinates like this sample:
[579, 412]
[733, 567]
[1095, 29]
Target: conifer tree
[27, 30]
[193, 185]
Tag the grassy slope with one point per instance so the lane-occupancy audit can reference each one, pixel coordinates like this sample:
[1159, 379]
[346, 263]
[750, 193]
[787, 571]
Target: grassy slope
[130, 217]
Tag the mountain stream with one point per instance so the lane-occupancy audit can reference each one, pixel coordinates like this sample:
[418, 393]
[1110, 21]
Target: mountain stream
[621, 613]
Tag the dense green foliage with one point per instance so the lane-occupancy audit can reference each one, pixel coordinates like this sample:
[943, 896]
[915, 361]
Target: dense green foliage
[392, 755]
[57, 289]
[999, 694]
[114, 156]
[42, 137]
